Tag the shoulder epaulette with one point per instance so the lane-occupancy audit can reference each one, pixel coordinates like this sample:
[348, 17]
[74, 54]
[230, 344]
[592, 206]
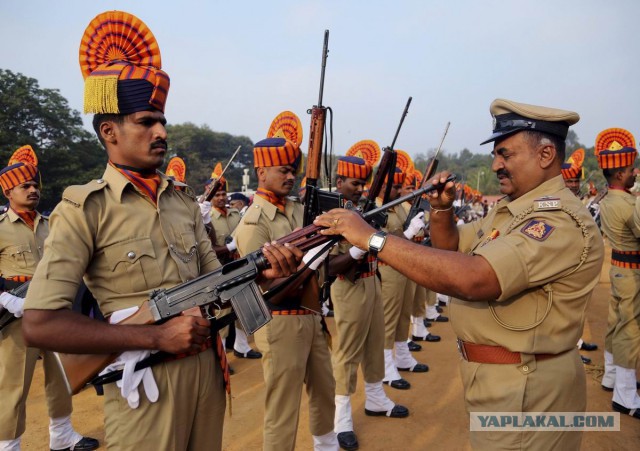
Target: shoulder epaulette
[3, 215]
[187, 191]
[252, 215]
[76, 195]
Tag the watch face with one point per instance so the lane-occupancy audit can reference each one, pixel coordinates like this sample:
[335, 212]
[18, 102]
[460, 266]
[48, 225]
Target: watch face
[376, 241]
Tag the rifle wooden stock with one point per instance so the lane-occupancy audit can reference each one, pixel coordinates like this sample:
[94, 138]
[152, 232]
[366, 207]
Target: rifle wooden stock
[79, 369]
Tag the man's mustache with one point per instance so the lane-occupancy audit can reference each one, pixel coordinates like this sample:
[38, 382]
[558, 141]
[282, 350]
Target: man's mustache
[503, 173]
[161, 143]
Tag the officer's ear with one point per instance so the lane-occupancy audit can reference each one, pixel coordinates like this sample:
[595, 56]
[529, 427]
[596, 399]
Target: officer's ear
[108, 131]
[547, 155]
[261, 174]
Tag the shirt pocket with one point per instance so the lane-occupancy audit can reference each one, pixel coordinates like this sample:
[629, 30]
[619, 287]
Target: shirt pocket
[19, 256]
[134, 260]
[185, 254]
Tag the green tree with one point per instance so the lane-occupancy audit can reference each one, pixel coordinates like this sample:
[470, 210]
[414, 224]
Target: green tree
[67, 153]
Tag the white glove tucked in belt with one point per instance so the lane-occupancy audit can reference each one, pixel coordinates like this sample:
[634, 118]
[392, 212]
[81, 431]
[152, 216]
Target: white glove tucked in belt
[315, 264]
[127, 362]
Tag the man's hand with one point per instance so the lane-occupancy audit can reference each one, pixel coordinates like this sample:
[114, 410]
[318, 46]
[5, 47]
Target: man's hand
[284, 260]
[205, 211]
[182, 334]
[347, 223]
[442, 198]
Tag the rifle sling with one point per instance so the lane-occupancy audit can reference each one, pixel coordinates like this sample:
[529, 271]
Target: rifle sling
[159, 357]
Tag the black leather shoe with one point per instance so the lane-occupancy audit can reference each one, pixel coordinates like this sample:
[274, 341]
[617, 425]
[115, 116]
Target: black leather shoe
[426, 322]
[414, 347]
[418, 368]
[398, 411]
[439, 309]
[585, 360]
[430, 338]
[588, 346]
[439, 319]
[85, 444]
[635, 413]
[248, 355]
[400, 384]
[442, 303]
[348, 440]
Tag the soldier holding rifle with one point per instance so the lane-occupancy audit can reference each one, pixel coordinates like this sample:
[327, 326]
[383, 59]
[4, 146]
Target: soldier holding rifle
[126, 234]
[519, 304]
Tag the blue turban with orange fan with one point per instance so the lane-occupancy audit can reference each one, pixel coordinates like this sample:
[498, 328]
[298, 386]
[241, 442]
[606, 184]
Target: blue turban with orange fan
[572, 169]
[22, 168]
[615, 148]
[177, 169]
[282, 146]
[359, 160]
[121, 64]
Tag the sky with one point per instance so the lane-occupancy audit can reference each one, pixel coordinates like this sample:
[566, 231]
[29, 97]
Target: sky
[234, 65]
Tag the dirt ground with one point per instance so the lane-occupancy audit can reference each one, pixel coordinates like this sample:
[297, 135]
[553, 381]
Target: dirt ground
[437, 418]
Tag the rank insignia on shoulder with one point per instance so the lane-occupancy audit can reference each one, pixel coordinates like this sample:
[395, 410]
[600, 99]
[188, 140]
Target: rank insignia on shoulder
[547, 203]
[538, 230]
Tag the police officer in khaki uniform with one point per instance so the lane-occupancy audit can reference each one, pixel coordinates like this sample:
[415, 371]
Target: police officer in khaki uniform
[519, 304]
[294, 347]
[397, 305]
[616, 154]
[22, 234]
[126, 234]
[358, 312]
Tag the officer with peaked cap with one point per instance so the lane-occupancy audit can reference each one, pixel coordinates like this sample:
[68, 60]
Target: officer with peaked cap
[127, 234]
[517, 303]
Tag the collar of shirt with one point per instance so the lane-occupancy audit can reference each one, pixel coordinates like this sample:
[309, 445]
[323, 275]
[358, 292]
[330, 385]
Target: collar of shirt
[28, 217]
[13, 216]
[118, 182]
[270, 197]
[548, 188]
[220, 211]
[271, 210]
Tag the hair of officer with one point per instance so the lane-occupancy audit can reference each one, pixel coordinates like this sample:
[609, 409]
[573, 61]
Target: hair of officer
[610, 173]
[537, 138]
[99, 119]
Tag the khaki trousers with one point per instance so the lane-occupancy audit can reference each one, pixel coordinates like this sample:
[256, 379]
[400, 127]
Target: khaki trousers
[359, 320]
[295, 352]
[419, 302]
[393, 299]
[553, 385]
[623, 325]
[188, 414]
[17, 363]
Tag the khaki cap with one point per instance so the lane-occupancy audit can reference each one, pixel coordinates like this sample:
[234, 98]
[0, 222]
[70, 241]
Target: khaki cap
[510, 117]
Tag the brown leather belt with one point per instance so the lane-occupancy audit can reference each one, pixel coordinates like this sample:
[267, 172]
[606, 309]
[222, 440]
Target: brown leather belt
[473, 352]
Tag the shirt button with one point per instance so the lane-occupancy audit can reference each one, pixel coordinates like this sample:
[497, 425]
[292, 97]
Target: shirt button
[525, 368]
[131, 255]
[99, 181]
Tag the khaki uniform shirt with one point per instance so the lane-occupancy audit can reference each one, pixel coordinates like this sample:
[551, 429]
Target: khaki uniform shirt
[617, 220]
[535, 252]
[123, 245]
[263, 223]
[224, 225]
[20, 247]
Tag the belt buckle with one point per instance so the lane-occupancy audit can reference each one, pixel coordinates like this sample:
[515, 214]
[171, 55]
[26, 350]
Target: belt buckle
[461, 349]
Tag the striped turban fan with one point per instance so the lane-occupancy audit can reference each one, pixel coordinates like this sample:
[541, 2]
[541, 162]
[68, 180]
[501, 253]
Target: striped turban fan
[572, 169]
[216, 174]
[404, 162]
[121, 65]
[22, 168]
[176, 169]
[282, 146]
[398, 176]
[615, 148]
[354, 164]
[417, 177]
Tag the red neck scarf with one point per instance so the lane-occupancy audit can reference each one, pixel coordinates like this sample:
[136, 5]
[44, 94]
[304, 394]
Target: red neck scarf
[147, 182]
[223, 211]
[270, 196]
[29, 217]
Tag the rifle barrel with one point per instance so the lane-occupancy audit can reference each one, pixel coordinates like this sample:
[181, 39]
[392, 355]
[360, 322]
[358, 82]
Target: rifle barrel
[325, 53]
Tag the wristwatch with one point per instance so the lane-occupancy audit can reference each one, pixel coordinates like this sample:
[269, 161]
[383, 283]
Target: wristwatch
[376, 242]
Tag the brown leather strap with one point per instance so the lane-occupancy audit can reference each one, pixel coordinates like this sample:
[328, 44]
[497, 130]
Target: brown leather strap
[473, 352]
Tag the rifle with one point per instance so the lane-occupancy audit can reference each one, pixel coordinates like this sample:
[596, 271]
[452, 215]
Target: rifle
[419, 203]
[233, 283]
[316, 135]
[386, 169]
[6, 317]
[217, 184]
